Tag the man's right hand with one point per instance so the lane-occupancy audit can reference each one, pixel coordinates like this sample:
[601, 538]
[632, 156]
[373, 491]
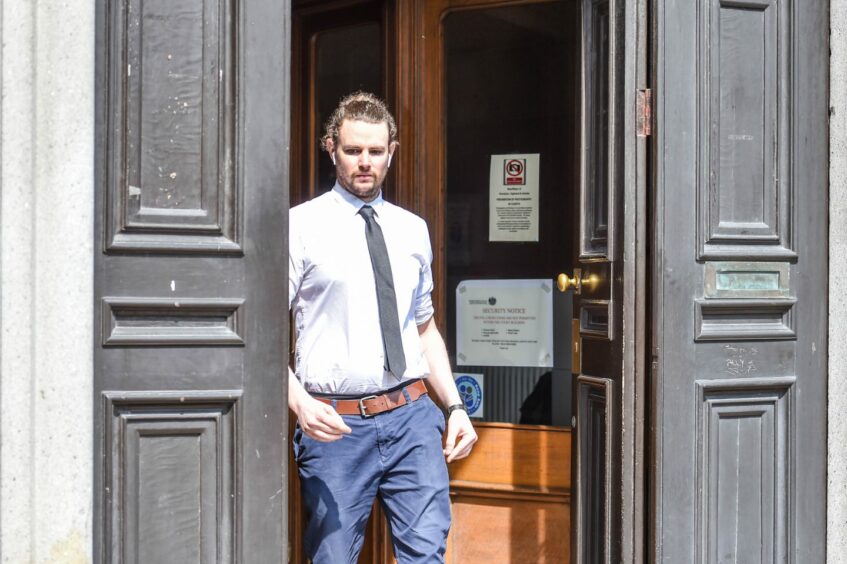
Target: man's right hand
[319, 420]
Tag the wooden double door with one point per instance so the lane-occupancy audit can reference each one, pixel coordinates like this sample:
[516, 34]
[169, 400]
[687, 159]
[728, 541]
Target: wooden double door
[681, 171]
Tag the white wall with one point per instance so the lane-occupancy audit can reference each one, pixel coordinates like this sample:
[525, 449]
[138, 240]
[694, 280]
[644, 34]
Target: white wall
[46, 278]
[837, 440]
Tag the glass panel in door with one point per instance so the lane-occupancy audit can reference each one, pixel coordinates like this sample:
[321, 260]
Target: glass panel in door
[511, 134]
[512, 99]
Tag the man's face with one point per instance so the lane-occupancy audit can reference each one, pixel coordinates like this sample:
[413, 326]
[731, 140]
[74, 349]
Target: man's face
[361, 157]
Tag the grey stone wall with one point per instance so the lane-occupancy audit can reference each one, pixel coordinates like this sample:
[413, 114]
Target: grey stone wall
[46, 311]
[837, 439]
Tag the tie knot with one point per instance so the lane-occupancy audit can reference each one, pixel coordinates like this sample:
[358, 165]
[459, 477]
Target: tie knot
[367, 212]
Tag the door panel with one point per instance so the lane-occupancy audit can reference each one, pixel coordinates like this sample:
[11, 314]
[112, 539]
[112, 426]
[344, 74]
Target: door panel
[740, 403]
[594, 169]
[190, 407]
[593, 461]
[610, 305]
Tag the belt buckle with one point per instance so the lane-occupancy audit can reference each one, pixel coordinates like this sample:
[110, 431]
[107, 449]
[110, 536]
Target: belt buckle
[362, 405]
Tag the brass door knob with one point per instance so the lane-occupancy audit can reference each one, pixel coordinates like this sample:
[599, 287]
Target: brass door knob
[577, 282]
[565, 283]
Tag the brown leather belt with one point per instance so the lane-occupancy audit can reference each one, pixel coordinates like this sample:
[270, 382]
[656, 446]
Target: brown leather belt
[369, 406]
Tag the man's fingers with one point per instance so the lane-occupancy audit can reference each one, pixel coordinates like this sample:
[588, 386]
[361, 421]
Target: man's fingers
[334, 422]
[323, 430]
[450, 440]
[341, 424]
[326, 427]
[318, 423]
[324, 437]
[323, 423]
[462, 449]
[459, 426]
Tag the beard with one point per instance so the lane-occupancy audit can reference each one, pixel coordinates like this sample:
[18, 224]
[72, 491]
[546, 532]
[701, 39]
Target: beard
[360, 187]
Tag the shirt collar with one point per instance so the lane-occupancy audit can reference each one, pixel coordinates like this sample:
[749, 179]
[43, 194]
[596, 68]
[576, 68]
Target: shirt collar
[353, 204]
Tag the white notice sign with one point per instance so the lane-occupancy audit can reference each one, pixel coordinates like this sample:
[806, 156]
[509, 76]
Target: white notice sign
[504, 323]
[513, 198]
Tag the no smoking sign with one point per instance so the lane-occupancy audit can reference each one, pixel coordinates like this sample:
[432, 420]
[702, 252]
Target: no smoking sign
[514, 172]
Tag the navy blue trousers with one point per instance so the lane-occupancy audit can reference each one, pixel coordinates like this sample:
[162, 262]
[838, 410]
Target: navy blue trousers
[396, 455]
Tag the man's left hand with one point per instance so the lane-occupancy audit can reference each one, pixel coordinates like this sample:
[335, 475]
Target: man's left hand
[460, 436]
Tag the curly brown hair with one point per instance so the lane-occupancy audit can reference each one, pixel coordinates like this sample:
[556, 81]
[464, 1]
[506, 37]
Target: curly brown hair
[361, 106]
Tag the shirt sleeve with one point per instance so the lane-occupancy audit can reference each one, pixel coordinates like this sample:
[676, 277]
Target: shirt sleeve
[295, 259]
[423, 298]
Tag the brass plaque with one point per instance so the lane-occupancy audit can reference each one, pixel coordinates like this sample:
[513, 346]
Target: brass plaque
[747, 280]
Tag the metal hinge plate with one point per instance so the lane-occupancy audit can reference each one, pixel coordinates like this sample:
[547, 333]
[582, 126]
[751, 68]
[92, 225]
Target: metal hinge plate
[644, 112]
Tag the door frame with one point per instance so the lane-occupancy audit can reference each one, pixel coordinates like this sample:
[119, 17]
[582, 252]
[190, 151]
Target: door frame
[636, 257]
[418, 183]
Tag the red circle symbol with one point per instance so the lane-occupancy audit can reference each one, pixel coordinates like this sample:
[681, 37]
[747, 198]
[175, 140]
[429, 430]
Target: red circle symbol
[514, 167]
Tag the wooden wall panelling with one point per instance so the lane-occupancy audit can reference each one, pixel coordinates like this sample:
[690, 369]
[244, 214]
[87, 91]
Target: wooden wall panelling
[511, 499]
[171, 151]
[537, 528]
[296, 515]
[309, 19]
[298, 173]
[400, 74]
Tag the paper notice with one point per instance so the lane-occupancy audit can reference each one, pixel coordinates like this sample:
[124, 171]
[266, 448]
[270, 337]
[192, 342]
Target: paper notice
[504, 323]
[513, 198]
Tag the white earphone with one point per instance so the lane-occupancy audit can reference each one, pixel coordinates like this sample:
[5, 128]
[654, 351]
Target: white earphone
[332, 156]
[389, 159]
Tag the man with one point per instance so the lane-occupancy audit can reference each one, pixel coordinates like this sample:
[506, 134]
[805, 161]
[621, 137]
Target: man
[360, 288]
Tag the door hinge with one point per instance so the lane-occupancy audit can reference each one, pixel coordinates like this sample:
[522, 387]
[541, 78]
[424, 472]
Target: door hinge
[644, 112]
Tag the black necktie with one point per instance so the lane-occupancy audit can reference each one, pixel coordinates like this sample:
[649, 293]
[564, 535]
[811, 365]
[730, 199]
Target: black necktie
[389, 321]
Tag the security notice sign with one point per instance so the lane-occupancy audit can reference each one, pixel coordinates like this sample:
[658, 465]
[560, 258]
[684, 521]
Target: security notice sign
[504, 323]
[513, 198]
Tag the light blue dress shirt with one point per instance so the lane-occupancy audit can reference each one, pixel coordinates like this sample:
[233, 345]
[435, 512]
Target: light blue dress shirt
[332, 294]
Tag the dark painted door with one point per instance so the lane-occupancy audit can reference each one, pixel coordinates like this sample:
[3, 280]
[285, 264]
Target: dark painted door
[609, 285]
[191, 259]
[740, 278]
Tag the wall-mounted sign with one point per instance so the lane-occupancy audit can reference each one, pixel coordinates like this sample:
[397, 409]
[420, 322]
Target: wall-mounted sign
[513, 198]
[504, 323]
[471, 388]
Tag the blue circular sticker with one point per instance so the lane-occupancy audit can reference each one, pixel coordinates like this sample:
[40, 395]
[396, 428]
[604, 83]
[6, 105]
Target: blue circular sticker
[470, 392]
